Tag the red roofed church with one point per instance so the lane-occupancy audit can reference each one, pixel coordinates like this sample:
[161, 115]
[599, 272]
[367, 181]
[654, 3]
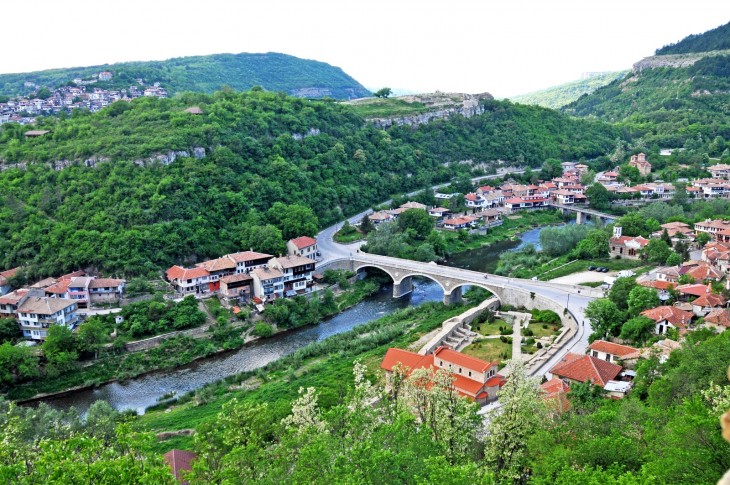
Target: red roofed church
[474, 378]
[625, 246]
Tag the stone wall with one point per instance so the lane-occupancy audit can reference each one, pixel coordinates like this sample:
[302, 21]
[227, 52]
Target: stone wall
[460, 321]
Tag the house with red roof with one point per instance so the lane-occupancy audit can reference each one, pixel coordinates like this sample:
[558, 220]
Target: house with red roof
[577, 368]
[718, 319]
[691, 291]
[609, 351]
[217, 268]
[474, 378]
[704, 304]
[5, 277]
[462, 222]
[555, 391]
[188, 280]
[246, 261]
[303, 246]
[626, 246]
[179, 461]
[666, 317]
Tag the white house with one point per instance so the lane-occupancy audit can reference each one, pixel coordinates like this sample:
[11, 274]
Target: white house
[36, 314]
[268, 283]
[296, 273]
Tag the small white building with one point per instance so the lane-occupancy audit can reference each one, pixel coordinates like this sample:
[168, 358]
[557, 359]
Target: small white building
[303, 246]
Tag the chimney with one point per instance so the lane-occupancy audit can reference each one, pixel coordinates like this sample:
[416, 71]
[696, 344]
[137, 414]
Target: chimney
[616, 231]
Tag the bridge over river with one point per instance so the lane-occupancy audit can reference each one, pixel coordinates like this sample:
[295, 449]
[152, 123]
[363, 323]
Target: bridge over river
[569, 301]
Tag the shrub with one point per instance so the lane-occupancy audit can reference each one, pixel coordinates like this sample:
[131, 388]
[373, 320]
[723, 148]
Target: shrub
[263, 330]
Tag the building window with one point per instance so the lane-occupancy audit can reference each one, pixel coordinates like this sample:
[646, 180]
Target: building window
[459, 370]
[469, 373]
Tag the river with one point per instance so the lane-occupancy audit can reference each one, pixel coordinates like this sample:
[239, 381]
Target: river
[145, 391]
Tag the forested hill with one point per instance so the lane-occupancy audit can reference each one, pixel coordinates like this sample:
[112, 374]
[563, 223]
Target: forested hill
[272, 71]
[556, 97]
[667, 105]
[712, 40]
[260, 148]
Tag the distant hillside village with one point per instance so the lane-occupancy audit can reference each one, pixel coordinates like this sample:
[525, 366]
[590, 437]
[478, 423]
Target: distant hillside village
[78, 94]
[486, 205]
[240, 278]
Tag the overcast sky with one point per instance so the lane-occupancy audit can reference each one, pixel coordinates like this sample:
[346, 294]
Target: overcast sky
[503, 47]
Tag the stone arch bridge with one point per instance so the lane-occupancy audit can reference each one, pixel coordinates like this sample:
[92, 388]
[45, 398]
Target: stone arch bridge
[513, 291]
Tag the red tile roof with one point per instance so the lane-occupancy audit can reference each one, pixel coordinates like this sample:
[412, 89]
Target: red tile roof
[303, 242]
[719, 316]
[180, 273]
[612, 348]
[59, 288]
[709, 299]
[9, 273]
[554, 387]
[244, 256]
[625, 239]
[584, 368]
[218, 264]
[105, 283]
[694, 289]
[408, 359]
[659, 285]
[673, 315]
[463, 360]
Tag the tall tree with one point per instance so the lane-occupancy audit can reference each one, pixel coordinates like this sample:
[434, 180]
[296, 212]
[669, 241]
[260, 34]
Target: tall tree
[514, 423]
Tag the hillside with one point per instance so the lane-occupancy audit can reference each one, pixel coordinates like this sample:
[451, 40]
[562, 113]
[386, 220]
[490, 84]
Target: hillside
[556, 97]
[123, 205]
[712, 40]
[272, 71]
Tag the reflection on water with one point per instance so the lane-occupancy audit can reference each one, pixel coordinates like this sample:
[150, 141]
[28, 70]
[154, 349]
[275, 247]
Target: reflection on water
[144, 391]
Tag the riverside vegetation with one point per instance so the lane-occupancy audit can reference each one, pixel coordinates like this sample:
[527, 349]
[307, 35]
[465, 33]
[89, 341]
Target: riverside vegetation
[90, 356]
[257, 427]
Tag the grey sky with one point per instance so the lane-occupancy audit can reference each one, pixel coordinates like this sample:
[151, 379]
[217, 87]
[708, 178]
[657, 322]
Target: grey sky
[504, 47]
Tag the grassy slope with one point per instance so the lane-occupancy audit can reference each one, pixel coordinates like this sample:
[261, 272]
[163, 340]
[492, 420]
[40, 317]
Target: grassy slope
[556, 97]
[326, 365]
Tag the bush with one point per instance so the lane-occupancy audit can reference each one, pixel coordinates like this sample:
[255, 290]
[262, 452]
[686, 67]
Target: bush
[263, 330]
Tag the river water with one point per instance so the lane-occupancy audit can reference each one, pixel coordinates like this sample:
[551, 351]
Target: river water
[145, 391]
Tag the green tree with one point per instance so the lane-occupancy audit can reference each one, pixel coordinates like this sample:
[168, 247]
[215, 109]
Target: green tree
[550, 169]
[9, 330]
[510, 429]
[417, 221]
[638, 329]
[605, 317]
[265, 239]
[657, 251]
[679, 197]
[702, 238]
[59, 339]
[383, 93]
[633, 224]
[294, 220]
[92, 335]
[620, 290]
[594, 246]
[599, 197]
[642, 298]
[17, 363]
[674, 259]
[366, 225]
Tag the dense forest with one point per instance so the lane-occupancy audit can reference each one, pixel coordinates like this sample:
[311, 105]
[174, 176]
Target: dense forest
[667, 106]
[317, 159]
[712, 40]
[272, 71]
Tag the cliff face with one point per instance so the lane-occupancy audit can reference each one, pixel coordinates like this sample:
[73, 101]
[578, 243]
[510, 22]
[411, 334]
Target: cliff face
[675, 60]
[439, 106]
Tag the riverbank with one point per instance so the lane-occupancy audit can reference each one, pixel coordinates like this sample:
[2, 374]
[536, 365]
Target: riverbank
[325, 365]
[512, 226]
[173, 353]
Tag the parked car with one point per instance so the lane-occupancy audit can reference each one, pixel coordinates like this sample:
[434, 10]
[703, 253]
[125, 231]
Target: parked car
[591, 268]
[603, 270]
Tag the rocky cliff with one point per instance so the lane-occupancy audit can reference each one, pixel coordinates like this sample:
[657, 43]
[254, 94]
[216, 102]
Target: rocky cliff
[675, 60]
[437, 106]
